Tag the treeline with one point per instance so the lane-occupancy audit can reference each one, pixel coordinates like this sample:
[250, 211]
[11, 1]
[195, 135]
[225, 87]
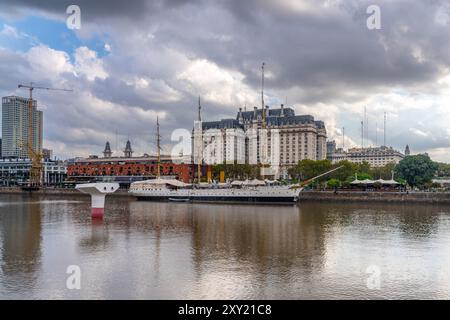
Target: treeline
[236, 171]
[307, 169]
[443, 170]
[416, 170]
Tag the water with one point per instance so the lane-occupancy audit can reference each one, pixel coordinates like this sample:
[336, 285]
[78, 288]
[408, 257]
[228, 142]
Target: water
[145, 250]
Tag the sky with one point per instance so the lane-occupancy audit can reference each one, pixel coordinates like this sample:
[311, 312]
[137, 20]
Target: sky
[131, 62]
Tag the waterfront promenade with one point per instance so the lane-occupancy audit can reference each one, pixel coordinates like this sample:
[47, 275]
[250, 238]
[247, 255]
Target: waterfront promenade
[376, 196]
[306, 195]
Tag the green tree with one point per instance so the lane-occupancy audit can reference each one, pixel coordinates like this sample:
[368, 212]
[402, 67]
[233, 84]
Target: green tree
[294, 172]
[310, 168]
[364, 167]
[443, 170]
[363, 176]
[334, 183]
[348, 170]
[417, 170]
[384, 172]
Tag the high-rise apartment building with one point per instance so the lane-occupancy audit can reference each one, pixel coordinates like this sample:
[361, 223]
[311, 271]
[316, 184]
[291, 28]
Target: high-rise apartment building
[15, 116]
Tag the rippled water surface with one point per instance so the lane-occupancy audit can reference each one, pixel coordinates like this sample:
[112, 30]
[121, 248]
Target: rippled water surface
[150, 250]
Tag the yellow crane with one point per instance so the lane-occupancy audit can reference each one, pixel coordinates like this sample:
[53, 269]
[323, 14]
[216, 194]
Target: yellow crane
[33, 155]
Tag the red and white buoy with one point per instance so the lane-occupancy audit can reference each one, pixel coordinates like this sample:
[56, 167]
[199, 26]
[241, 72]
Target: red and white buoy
[98, 192]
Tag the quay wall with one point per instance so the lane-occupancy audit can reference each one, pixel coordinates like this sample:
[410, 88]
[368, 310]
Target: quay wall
[371, 196]
[59, 191]
[306, 195]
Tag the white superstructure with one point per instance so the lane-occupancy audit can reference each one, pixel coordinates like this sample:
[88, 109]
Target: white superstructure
[249, 191]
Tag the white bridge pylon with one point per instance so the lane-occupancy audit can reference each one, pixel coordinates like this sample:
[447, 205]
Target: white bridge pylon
[98, 192]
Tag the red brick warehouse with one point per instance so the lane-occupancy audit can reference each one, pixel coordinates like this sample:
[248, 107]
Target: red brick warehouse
[145, 166]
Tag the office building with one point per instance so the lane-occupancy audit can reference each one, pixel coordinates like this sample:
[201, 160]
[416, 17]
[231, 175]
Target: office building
[375, 156]
[16, 172]
[47, 154]
[276, 137]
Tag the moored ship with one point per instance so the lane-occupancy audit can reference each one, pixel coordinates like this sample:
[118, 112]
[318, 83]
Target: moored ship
[174, 190]
[249, 191]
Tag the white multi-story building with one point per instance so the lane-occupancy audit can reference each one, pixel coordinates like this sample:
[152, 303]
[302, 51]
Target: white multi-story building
[15, 115]
[223, 142]
[17, 172]
[376, 156]
[282, 140]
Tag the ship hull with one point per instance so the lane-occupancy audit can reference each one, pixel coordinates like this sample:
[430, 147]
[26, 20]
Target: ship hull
[261, 195]
[222, 199]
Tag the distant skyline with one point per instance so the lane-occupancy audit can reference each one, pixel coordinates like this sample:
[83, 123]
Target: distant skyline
[130, 62]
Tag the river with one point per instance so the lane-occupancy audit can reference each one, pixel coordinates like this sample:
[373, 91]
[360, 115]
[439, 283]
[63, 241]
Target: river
[156, 250]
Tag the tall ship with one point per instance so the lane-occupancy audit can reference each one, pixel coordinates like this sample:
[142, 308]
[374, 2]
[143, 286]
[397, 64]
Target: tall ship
[249, 191]
[253, 191]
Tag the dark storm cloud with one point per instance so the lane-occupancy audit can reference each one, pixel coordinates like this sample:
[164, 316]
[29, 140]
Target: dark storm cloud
[8, 59]
[92, 10]
[306, 49]
[328, 49]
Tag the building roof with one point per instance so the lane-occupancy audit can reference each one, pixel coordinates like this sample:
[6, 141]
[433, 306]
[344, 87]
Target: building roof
[290, 120]
[107, 146]
[222, 124]
[274, 117]
[373, 151]
[164, 158]
[250, 115]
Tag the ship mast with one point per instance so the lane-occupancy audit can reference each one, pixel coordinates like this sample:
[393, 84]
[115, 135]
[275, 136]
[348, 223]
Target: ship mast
[264, 133]
[262, 97]
[158, 146]
[200, 153]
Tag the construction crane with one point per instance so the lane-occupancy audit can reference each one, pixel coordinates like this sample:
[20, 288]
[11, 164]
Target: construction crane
[33, 155]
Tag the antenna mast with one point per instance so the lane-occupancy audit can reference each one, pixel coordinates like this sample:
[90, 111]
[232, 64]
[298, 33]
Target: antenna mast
[366, 126]
[376, 134]
[343, 138]
[200, 153]
[262, 97]
[362, 134]
[199, 110]
[384, 130]
[158, 146]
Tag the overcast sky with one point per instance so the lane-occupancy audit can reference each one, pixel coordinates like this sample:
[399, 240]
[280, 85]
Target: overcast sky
[133, 60]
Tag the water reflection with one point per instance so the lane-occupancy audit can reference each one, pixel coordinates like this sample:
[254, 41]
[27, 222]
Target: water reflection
[20, 229]
[98, 238]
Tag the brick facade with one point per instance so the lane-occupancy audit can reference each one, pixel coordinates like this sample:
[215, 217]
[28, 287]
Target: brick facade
[146, 167]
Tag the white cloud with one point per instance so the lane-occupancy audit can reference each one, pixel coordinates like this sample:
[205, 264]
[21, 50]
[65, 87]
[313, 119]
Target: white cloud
[419, 132]
[155, 90]
[11, 34]
[439, 154]
[327, 64]
[10, 31]
[88, 64]
[47, 62]
[225, 87]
